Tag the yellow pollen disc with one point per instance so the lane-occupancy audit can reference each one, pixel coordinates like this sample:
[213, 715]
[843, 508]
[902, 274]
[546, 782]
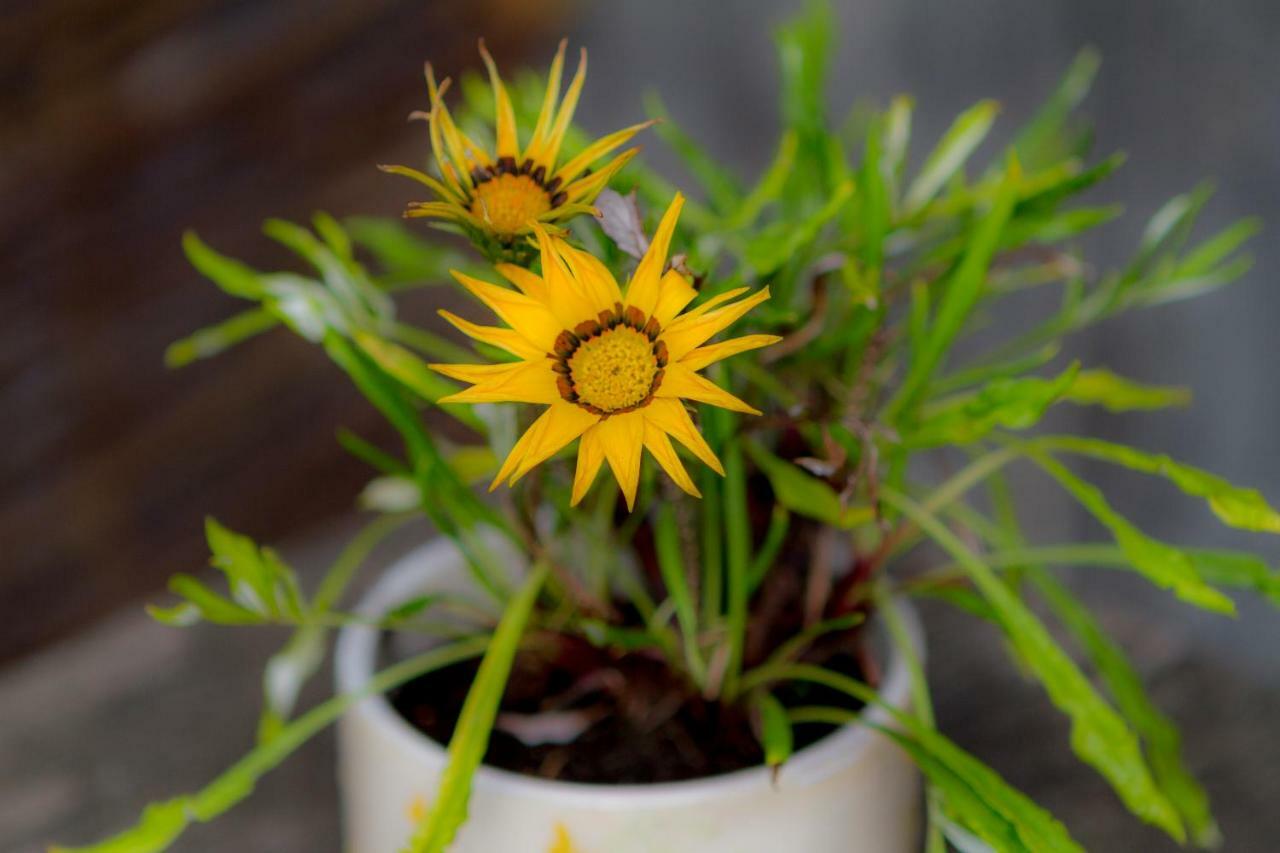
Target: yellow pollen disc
[510, 202]
[613, 370]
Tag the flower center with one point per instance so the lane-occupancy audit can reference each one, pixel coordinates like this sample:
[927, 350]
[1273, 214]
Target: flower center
[509, 202]
[612, 364]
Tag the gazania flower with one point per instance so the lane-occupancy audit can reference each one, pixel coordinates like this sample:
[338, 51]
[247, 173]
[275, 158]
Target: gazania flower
[612, 367]
[502, 195]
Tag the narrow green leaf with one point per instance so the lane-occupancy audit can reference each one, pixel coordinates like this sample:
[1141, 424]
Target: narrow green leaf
[162, 823]
[413, 372]
[212, 340]
[955, 147]
[721, 187]
[802, 493]
[1101, 387]
[1160, 736]
[770, 185]
[777, 244]
[475, 722]
[1237, 507]
[229, 274]
[676, 579]
[775, 729]
[1098, 734]
[962, 289]
[1039, 142]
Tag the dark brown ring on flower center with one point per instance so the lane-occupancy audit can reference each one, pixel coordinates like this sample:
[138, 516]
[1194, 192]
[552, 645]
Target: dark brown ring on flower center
[534, 172]
[568, 342]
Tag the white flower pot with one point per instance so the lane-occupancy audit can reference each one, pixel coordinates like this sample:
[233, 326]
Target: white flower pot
[852, 791]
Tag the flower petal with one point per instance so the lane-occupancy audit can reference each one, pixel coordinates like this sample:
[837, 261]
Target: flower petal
[590, 457]
[642, 292]
[505, 113]
[672, 418]
[550, 148]
[554, 428]
[660, 446]
[569, 299]
[680, 381]
[674, 293]
[593, 275]
[598, 149]
[531, 318]
[710, 354]
[519, 382]
[695, 328]
[545, 115]
[530, 283]
[585, 189]
[622, 437]
[506, 339]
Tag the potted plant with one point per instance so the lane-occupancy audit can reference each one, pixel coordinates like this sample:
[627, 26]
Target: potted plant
[713, 649]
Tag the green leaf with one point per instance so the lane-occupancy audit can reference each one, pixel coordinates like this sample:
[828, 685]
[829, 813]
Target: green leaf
[1101, 387]
[769, 187]
[1237, 507]
[975, 793]
[257, 578]
[1008, 403]
[775, 729]
[1229, 568]
[1160, 736]
[212, 340]
[1099, 735]
[163, 823]
[413, 372]
[1162, 564]
[475, 722]
[404, 257]
[1039, 142]
[955, 147]
[803, 493]
[962, 289]
[676, 579]
[229, 274]
[777, 244]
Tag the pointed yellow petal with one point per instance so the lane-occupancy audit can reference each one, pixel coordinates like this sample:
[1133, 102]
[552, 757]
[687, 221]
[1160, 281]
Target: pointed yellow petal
[507, 339]
[642, 292]
[703, 356]
[531, 318]
[441, 210]
[590, 457]
[680, 381]
[538, 139]
[434, 124]
[554, 428]
[548, 151]
[598, 149]
[586, 189]
[671, 417]
[506, 114]
[569, 300]
[674, 292]
[660, 446]
[423, 178]
[622, 437]
[530, 283]
[694, 329]
[521, 382]
[593, 275]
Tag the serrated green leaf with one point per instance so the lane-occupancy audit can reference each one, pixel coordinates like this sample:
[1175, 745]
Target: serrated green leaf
[1009, 403]
[1162, 564]
[1237, 507]
[1100, 387]
[1098, 734]
[1159, 735]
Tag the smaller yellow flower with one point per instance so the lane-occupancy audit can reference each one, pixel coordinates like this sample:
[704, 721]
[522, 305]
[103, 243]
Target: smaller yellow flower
[613, 368]
[503, 195]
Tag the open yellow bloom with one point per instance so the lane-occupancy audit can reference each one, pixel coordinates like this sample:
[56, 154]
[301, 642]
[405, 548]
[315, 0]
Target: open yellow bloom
[612, 367]
[504, 194]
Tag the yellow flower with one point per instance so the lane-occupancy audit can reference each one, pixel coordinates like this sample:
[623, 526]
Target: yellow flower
[503, 195]
[612, 368]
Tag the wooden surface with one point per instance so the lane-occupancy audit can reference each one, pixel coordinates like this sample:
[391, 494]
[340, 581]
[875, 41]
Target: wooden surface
[92, 729]
[121, 125]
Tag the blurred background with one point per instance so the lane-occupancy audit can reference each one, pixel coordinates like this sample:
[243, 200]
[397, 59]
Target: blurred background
[121, 125]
